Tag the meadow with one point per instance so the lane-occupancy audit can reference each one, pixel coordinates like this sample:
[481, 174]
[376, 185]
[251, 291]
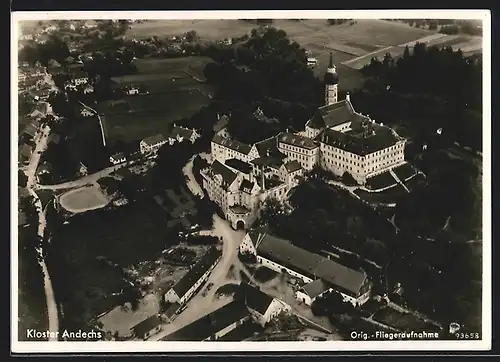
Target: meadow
[175, 91]
[343, 41]
[152, 114]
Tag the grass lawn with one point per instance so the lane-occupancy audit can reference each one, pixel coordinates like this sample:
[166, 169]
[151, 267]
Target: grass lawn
[227, 289]
[388, 196]
[192, 66]
[125, 236]
[404, 172]
[403, 321]
[83, 199]
[380, 181]
[264, 274]
[170, 107]
[415, 182]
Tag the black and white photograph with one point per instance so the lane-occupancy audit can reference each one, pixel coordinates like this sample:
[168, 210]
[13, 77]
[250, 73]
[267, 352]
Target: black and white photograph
[266, 180]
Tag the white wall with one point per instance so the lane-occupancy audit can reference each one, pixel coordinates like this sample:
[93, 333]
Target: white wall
[277, 268]
[171, 296]
[247, 246]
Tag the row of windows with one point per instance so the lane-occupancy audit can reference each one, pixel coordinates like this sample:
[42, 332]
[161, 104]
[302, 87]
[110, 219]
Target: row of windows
[295, 148]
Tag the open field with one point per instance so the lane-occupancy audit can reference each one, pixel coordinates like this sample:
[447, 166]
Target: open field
[344, 41]
[151, 114]
[175, 92]
[192, 66]
[83, 199]
[403, 321]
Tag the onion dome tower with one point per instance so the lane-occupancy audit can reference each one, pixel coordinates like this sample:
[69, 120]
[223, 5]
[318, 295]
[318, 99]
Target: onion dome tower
[331, 81]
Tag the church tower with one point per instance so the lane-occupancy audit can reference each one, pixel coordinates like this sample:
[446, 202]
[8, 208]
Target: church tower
[331, 81]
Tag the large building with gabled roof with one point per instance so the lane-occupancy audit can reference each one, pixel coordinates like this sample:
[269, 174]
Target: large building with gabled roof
[320, 275]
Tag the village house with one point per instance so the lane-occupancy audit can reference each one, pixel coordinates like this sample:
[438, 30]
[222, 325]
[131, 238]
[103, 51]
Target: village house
[263, 307]
[117, 158]
[79, 77]
[151, 145]
[185, 288]
[213, 326]
[319, 274]
[249, 304]
[24, 153]
[147, 327]
[179, 134]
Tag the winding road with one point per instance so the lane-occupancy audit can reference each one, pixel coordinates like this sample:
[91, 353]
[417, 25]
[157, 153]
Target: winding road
[41, 140]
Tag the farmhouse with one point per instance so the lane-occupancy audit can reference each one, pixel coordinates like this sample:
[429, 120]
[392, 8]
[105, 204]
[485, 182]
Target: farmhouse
[151, 145]
[147, 327]
[320, 274]
[262, 307]
[117, 158]
[213, 326]
[185, 288]
[249, 304]
[79, 77]
[179, 134]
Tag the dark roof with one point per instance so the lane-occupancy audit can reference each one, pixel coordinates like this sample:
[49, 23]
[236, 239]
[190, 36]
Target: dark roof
[253, 298]
[25, 150]
[54, 137]
[366, 138]
[76, 66]
[232, 144]
[153, 140]
[246, 186]
[146, 325]
[228, 176]
[78, 73]
[275, 162]
[172, 309]
[181, 132]
[315, 288]
[311, 265]
[210, 324]
[221, 123]
[296, 140]
[22, 219]
[194, 274]
[53, 63]
[293, 166]
[257, 234]
[239, 165]
[268, 148]
[31, 130]
[335, 114]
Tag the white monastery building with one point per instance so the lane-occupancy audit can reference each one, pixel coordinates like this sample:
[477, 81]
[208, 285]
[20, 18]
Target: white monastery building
[337, 139]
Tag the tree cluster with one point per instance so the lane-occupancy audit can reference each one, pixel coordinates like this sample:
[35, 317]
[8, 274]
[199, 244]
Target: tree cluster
[428, 88]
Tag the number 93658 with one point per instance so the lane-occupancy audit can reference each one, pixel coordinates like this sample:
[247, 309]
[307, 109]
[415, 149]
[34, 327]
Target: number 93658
[467, 336]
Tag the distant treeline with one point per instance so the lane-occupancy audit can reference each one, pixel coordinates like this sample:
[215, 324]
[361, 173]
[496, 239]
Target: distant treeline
[445, 26]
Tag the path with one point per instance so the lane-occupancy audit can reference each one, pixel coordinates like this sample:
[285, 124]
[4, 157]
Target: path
[193, 186]
[203, 303]
[40, 146]
[84, 180]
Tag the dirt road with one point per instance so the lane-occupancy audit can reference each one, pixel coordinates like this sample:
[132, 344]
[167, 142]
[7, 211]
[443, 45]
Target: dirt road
[193, 186]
